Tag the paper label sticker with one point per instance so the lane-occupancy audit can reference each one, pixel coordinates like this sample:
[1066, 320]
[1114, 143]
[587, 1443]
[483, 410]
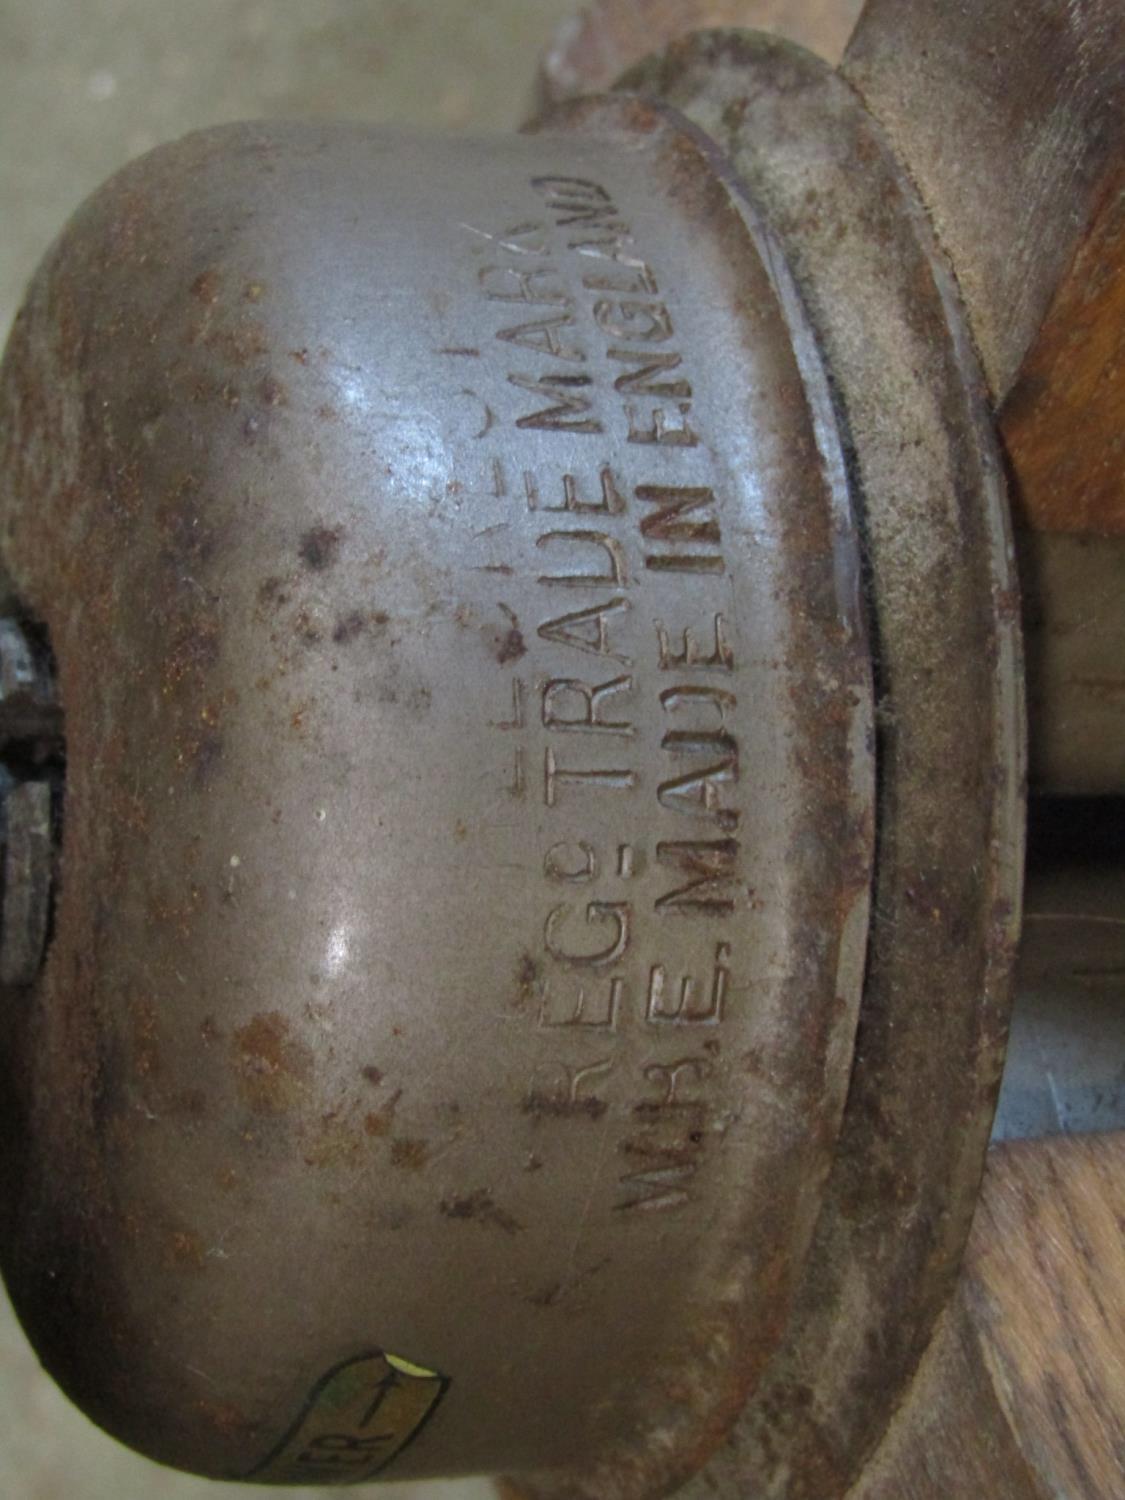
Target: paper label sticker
[356, 1422]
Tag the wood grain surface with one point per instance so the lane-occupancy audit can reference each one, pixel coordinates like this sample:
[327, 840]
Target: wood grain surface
[1022, 1393]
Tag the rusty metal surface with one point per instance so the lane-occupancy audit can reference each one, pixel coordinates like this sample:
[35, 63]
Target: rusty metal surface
[597, 45]
[27, 871]
[942, 590]
[465, 872]
[1012, 132]
[1063, 422]
[1010, 122]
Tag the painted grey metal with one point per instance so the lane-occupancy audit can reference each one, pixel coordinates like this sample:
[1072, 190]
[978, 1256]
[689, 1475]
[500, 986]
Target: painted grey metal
[448, 560]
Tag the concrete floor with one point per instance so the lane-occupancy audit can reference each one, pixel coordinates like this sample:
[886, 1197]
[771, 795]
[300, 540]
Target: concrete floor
[87, 84]
[84, 86]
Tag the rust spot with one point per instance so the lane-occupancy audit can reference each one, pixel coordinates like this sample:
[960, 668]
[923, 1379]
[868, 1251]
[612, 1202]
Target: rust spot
[178, 914]
[306, 628]
[527, 980]
[184, 1252]
[480, 1207]
[410, 1155]
[320, 547]
[373, 1076]
[335, 1142]
[508, 645]
[272, 1069]
[254, 291]
[239, 346]
[511, 647]
[350, 627]
[380, 1122]
[209, 1031]
[272, 594]
[273, 393]
[146, 1052]
[205, 287]
[195, 649]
